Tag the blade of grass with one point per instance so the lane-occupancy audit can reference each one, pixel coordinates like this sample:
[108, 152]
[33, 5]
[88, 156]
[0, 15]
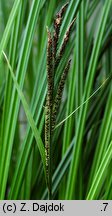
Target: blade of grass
[83, 113]
[8, 88]
[15, 102]
[8, 27]
[99, 177]
[80, 75]
[28, 114]
[104, 138]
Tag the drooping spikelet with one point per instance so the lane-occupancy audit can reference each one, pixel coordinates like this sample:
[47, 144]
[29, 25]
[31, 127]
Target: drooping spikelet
[64, 44]
[57, 25]
[50, 75]
[59, 93]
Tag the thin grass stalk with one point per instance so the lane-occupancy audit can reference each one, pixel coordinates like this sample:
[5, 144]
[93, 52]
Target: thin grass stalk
[9, 86]
[15, 102]
[8, 27]
[89, 82]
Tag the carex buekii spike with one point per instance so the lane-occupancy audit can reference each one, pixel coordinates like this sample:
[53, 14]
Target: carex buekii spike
[48, 112]
[59, 93]
[53, 103]
[57, 25]
[50, 75]
[64, 44]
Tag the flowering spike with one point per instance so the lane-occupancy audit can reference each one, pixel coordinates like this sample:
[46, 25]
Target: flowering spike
[64, 44]
[59, 94]
[57, 25]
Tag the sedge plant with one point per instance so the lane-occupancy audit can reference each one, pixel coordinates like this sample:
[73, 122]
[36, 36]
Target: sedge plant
[56, 99]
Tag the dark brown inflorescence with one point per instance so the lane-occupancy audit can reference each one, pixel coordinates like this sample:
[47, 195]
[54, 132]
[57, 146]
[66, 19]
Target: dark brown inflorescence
[57, 25]
[64, 44]
[50, 75]
[53, 103]
[59, 93]
[48, 107]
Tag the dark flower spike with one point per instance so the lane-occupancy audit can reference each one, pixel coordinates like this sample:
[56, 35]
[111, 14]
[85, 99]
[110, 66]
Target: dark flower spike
[48, 110]
[52, 104]
[50, 75]
[58, 97]
[63, 9]
[47, 138]
[57, 25]
[64, 44]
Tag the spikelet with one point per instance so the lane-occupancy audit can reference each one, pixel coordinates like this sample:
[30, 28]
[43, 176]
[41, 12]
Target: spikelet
[47, 139]
[48, 106]
[52, 104]
[50, 75]
[64, 44]
[59, 94]
[57, 25]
